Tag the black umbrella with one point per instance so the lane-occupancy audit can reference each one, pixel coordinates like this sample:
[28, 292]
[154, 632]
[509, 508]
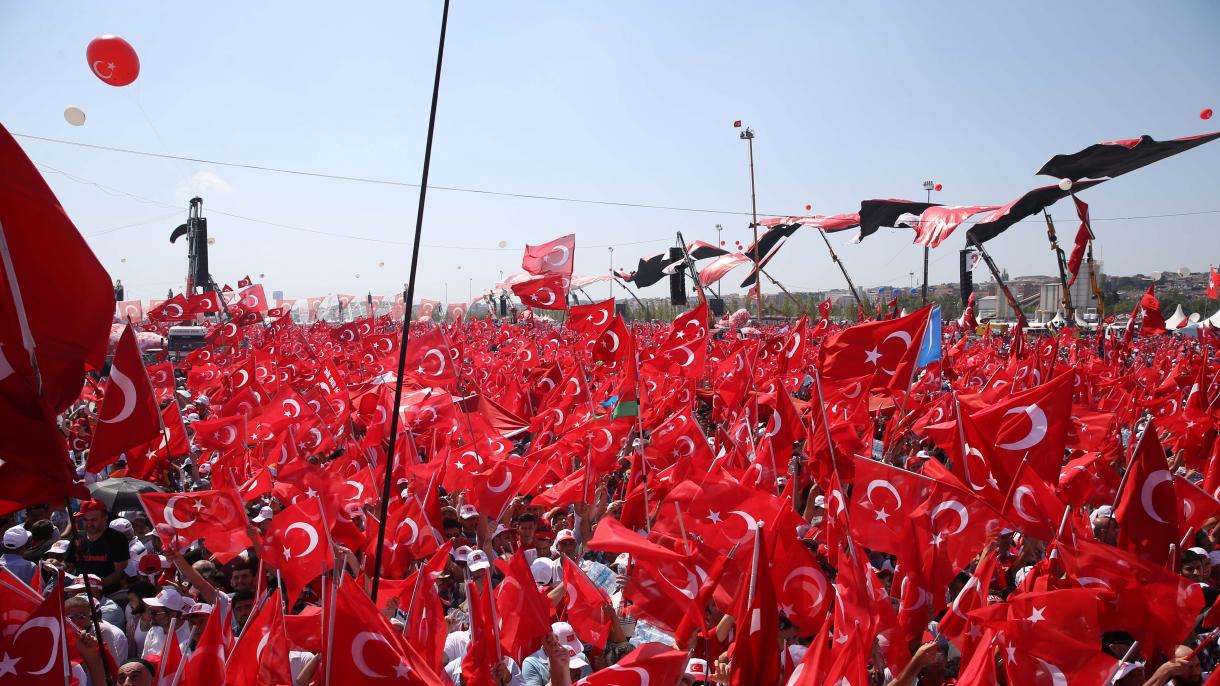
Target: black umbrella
[119, 494]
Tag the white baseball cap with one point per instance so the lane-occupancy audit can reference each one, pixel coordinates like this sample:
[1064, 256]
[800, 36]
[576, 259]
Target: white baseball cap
[477, 560]
[567, 637]
[15, 537]
[122, 526]
[169, 599]
[59, 547]
[468, 512]
[565, 535]
[264, 514]
[1103, 511]
[460, 553]
[199, 609]
[543, 569]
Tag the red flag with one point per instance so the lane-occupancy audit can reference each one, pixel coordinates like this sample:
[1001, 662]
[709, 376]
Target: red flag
[591, 319]
[130, 310]
[482, 652]
[203, 302]
[365, 649]
[1060, 627]
[1147, 510]
[221, 433]
[756, 647]
[1152, 320]
[1213, 284]
[35, 653]
[298, 546]
[554, 257]
[526, 618]
[1032, 505]
[585, 604]
[242, 283]
[216, 517]
[428, 358]
[543, 292]
[885, 350]
[56, 305]
[251, 298]
[129, 416]
[173, 310]
[1083, 235]
[206, 665]
[260, 657]
[651, 663]
[937, 223]
[612, 536]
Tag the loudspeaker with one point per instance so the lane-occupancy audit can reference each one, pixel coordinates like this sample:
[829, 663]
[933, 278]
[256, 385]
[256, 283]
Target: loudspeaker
[620, 309]
[717, 305]
[677, 282]
[503, 305]
[967, 275]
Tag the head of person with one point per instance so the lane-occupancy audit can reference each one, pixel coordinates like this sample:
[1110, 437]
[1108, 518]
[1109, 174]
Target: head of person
[1105, 529]
[561, 519]
[478, 564]
[468, 517]
[41, 531]
[526, 525]
[565, 543]
[15, 540]
[452, 528]
[197, 617]
[544, 538]
[567, 638]
[78, 612]
[93, 518]
[123, 526]
[241, 576]
[1193, 676]
[135, 673]
[1196, 565]
[242, 605]
[696, 672]
[165, 606]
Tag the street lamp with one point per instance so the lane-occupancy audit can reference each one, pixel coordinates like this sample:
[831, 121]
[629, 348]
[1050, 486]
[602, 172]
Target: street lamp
[928, 186]
[747, 135]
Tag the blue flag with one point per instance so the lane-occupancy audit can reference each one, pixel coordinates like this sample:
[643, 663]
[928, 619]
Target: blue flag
[929, 349]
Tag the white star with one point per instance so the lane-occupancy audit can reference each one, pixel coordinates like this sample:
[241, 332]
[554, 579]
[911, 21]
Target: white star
[680, 334]
[786, 609]
[975, 631]
[937, 539]
[198, 505]
[1036, 616]
[311, 493]
[150, 454]
[882, 515]
[459, 465]
[713, 517]
[287, 553]
[401, 671]
[841, 639]
[8, 665]
[872, 356]
[1012, 654]
[110, 66]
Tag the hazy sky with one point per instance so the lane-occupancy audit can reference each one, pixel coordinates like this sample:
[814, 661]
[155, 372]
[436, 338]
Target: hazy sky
[629, 101]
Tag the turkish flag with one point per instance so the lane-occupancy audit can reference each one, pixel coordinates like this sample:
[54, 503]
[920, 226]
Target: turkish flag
[481, 653]
[585, 605]
[592, 319]
[526, 617]
[132, 311]
[651, 663]
[365, 649]
[1033, 422]
[936, 223]
[203, 302]
[1147, 509]
[35, 652]
[428, 358]
[543, 292]
[553, 257]
[173, 310]
[885, 351]
[1152, 320]
[128, 416]
[756, 647]
[223, 433]
[297, 544]
[260, 657]
[1032, 505]
[493, 488]
[1213, 284]
[252, 299]
[217, 517]
[881, 493]
[145, 462]
[206, 664]
[612, 536]
[1061, 627]
[956, 625]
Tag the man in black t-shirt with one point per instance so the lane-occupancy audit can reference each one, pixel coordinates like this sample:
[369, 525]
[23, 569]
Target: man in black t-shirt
[104, 552]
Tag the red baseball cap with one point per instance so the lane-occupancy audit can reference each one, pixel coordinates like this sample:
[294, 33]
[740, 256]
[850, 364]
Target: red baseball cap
[91, 506]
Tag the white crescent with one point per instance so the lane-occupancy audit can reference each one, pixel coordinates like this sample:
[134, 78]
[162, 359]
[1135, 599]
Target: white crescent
[171, 518]
[358, 652]
[613, 336]
[609, 441]
[1154, 479]
[902, 336]
[408, 522]
[97, 70]
[779, 424]
[643, 674]
[244, 376]
[751, 524]
[52, 627]
[359, 490]
[1058, 678]
[230, 435]
[228, 330]
[856, 393]
[1037, 428]
[262, 643]
[962, 514]
[1087, 581]
[690, 443]
[972, 451]
[176, 314]
[440, 357]
[292, 407]
[564, 253]
[310, 531]
[550, 296]
[502, 486]
[690, 356]
[924, 597]
[1017, 495]
[796, 343]
[882, 483]
[605, 317]
[816, 577]
[123, 382]
[316, 435]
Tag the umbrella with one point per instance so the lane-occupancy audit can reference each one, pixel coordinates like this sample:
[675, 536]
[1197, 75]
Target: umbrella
[119, 494]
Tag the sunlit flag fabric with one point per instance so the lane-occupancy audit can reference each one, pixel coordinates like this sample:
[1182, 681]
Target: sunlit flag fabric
[769, 240]
[128, 417]
[1147, 508]
[553, 257]
[718, 268]
[937, 223]
[56, 305]
[885, 351]
[649, 270]
[875, 214]
[215, 517]
[543, 292]
[1116, 158]
[1031, 203]
[35, 653]
[1083, 235]
[699, 250]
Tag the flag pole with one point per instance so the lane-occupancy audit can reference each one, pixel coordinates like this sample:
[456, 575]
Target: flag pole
[636, 298]
[995, 271]
[408, 298]
[834, 256]
[1068, 311]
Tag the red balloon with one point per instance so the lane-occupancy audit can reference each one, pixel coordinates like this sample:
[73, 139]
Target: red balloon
[113, 60]
[938, 187]
[1206, 114]
[722, 242]
[808, 207]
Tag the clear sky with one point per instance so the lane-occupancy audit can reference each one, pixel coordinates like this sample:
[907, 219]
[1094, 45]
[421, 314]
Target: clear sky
[628, 101]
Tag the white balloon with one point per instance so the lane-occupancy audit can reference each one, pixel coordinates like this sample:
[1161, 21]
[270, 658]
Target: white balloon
[503, 244]
[1065, 184]
[75, 116]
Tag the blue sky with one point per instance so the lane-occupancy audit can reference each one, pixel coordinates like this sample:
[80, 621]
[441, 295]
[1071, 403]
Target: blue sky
[626, 101]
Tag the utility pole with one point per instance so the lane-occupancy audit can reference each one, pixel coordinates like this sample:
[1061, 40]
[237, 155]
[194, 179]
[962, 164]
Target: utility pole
[748, 136]
[927, 186]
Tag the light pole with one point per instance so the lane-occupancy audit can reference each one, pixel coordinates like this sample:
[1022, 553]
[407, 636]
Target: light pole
[747, 135]
[927, 186]
[610, 248]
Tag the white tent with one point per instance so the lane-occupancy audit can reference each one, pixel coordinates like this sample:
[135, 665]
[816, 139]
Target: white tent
[1214, 320]
[1176, 318]
[1058, 321]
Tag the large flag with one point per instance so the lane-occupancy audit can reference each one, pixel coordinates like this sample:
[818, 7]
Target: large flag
[128, 417]
[937, 222]
[886, 351]
[1147, 510]
[1116, 158]
[35, 653]
[552, 257]
[56, 305]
